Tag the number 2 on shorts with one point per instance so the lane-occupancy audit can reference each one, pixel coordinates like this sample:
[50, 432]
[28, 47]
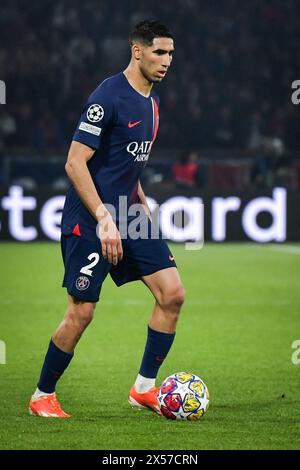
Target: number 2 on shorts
[87, 269]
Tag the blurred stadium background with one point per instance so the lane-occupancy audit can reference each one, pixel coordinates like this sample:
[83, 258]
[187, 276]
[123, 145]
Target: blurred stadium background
[228, 123]
[229, 136]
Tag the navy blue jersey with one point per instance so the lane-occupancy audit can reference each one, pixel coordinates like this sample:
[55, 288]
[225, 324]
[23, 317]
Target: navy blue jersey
[121, 125]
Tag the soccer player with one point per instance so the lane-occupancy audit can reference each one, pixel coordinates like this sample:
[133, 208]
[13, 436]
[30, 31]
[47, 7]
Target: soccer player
[110, 148]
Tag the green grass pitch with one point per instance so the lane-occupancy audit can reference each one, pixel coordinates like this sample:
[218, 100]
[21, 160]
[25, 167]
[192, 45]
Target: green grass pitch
[241, 316]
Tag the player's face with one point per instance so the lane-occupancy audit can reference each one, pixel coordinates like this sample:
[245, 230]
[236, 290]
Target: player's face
[156, 59]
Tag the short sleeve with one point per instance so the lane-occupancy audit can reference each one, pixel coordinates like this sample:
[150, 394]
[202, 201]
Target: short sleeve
[97, 116]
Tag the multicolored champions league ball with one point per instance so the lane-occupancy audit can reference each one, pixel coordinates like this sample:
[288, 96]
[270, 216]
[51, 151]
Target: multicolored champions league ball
[183, 396]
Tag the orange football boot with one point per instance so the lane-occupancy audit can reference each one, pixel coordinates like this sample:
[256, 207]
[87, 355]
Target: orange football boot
[144, 400]
[47, 406]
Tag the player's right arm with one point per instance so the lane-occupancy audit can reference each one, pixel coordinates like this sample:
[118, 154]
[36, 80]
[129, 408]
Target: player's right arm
[78, 172]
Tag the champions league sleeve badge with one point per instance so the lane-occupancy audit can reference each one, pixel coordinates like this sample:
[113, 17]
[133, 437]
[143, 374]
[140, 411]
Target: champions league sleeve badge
[95, 113]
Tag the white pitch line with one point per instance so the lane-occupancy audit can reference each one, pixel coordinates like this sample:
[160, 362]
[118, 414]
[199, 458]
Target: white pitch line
[135, 302]
[293, 250]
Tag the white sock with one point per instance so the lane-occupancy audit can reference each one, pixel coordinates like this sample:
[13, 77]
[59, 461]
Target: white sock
[38, 393]
[142, 384]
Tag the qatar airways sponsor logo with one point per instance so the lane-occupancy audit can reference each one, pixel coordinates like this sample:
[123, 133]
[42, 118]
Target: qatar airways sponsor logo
[140, 150]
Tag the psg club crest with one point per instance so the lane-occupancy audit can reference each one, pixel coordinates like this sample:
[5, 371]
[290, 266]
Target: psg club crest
[82, 283]
[95, 113]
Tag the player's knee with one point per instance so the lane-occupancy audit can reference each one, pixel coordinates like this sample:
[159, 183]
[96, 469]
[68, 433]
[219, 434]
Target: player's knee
[173, 298]
[86, 313]
[82, 314]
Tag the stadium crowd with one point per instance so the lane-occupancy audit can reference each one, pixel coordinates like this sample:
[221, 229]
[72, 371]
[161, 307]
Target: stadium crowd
[230, 84]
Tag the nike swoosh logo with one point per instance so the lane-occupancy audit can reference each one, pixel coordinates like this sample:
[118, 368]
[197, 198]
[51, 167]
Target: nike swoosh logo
[159, 358]
[171, 258]
[132, 124]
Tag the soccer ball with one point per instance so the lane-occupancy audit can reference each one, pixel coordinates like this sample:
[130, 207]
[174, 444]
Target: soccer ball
[183, 396]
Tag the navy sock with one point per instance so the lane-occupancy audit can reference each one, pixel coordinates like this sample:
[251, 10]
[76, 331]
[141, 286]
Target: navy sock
[157, 347]
[56, 361]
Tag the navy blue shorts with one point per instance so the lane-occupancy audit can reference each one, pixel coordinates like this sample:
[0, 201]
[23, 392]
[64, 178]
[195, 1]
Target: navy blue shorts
[86, 269]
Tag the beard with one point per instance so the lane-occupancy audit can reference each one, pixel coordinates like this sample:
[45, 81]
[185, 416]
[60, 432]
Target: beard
[150, 78]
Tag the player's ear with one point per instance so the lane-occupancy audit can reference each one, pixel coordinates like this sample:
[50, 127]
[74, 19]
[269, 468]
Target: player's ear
[136, 51]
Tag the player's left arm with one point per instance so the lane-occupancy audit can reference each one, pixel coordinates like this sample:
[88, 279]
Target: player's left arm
[143, 200]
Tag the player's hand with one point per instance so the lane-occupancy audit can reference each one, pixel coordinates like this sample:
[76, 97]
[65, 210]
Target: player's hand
[110, 240]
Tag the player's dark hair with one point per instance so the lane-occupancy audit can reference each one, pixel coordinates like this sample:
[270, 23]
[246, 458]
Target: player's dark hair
[145, 31]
